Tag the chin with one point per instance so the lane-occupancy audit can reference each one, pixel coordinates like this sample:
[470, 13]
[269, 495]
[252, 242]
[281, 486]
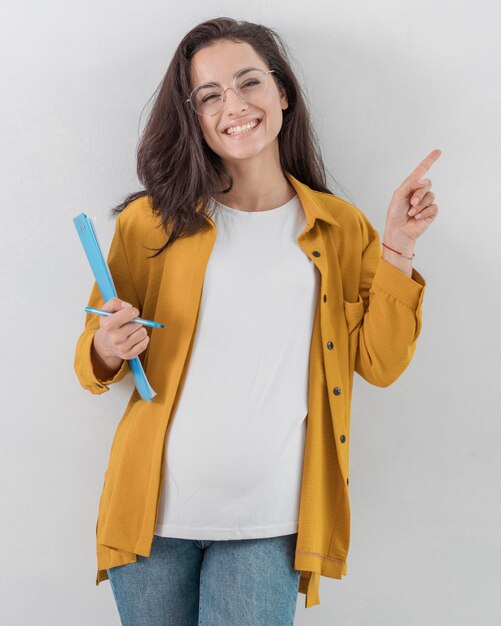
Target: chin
[248, 152]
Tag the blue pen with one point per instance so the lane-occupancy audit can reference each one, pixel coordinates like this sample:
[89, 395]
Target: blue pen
[136, 320]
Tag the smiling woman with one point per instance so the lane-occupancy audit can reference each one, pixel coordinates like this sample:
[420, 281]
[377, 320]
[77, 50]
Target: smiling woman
[252, 110]
[225, 74]
[229, 493]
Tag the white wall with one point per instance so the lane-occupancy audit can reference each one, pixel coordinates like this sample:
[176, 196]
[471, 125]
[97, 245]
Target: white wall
[388, 82]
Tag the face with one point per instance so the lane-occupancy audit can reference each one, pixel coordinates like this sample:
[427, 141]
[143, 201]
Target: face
[219, 63]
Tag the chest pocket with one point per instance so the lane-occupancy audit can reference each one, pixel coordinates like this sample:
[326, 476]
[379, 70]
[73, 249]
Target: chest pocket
[353, 313]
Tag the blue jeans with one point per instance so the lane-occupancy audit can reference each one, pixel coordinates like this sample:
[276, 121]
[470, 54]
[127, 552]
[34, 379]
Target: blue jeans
[241, 582]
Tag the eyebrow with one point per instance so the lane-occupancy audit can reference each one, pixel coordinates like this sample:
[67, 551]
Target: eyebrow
[247, 68]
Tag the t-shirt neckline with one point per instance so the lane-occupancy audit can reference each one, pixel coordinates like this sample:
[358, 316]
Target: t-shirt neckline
[233, 211]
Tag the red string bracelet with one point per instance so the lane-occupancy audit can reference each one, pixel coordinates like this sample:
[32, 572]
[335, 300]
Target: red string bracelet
[400, 253]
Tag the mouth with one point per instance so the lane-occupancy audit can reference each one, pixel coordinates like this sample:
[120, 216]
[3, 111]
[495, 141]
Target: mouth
[242, 130]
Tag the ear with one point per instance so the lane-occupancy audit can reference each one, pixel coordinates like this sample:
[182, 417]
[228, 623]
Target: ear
[284, 102]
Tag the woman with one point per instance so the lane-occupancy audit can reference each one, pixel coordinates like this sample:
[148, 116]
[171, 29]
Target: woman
[229, 492]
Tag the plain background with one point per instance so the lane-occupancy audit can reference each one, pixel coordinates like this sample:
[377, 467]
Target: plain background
[387, 83]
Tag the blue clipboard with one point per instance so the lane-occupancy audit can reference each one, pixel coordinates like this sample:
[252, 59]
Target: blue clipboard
[88, 237]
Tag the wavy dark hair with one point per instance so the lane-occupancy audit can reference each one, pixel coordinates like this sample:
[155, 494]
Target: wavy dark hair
[177, 168]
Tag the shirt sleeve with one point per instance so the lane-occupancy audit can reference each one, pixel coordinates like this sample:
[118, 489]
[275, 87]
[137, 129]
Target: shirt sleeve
[392, 316]
[119, 268]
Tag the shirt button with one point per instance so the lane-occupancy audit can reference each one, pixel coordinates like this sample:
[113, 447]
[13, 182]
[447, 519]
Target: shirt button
[337, 391]
[342, 438]
[330, 345]
[316, 253]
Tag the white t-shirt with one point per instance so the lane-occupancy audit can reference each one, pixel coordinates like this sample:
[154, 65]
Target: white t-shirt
[234, 446]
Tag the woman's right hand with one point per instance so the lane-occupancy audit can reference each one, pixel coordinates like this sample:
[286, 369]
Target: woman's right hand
[117, 338]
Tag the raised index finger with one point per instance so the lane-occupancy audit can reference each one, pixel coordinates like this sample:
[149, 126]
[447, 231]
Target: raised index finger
[425, 164]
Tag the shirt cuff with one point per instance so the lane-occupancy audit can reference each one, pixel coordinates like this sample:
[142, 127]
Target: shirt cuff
[394, 282]
[85, 370]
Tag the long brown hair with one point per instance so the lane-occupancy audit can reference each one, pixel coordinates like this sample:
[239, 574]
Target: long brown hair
[178, 169]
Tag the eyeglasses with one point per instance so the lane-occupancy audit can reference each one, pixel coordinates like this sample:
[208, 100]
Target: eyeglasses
[249, 85]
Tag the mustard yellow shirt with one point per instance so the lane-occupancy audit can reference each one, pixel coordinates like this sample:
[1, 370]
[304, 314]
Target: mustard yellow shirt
[368, 319]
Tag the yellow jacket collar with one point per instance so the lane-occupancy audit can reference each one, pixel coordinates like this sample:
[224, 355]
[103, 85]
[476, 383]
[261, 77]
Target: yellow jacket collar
[313, 207]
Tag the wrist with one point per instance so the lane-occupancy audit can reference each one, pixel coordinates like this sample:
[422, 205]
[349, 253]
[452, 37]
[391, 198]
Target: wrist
[100, 358]
[399, 243]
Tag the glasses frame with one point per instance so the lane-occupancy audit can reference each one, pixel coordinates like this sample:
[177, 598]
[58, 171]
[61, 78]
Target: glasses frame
[235, 89]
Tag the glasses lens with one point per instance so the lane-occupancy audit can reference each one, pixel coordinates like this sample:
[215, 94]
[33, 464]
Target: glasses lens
[207, 99]
[251, 84]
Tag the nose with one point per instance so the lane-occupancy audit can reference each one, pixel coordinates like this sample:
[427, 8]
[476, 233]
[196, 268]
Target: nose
[234, 101]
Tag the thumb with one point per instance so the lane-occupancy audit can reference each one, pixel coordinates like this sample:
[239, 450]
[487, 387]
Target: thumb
[115, 304]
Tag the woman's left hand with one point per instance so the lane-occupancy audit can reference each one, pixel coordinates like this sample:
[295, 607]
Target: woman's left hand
[412, 208]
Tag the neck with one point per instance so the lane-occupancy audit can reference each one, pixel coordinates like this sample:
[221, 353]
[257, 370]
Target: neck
[256, 186]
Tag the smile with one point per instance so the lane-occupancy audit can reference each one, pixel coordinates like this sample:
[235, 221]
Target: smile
[246, 129]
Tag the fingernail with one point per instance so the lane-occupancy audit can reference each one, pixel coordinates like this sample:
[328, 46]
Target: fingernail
[411, 212]
[415, 200]
[422, 181]
[128, 304]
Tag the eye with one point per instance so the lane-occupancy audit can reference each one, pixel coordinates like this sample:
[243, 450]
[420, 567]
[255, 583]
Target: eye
[210, 96]
[250, 83]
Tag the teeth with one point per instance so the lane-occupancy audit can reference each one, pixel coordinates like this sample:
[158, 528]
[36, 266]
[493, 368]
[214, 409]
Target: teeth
[241, 129]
